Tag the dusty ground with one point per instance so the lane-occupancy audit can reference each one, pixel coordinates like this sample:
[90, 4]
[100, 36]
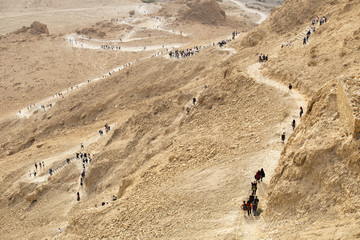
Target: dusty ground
[176, 175]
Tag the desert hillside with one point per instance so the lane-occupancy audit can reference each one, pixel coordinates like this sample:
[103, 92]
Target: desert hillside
[176, 114]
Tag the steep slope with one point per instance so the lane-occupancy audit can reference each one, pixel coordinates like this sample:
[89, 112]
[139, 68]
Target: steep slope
[180, 168]
[317, 181]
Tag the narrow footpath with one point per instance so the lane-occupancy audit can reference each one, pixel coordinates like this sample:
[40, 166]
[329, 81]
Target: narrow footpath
[250, 226]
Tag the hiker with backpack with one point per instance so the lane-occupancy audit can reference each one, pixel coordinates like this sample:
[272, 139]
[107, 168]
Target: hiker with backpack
[257, 176]
[244, 207]
[254, 208]
[249, 206]
[254, 187]
[262, 174]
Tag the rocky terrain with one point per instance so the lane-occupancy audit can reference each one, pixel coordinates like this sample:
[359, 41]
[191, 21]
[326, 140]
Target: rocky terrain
[187, 135]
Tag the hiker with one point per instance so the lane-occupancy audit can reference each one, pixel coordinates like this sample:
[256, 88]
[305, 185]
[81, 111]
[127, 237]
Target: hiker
[304, 41]
[68, 160]
[260, 57]
[293, 124]
[40, 164]
[78, 196]
[43, 164]
[301, 111]
[114, 198]
[81, 146]
[254, 208]
[257, 176]
[81, 181]
[262, 174]
[100, 132]
[244, 207]
[256, 200]
[283, 137]
[35, 166]
[249, 205]
[30, 173]
[77, 155]
[187, 110]
[251, 198]
[254, 187]
[194, 101]
[34, 173]
[290, 87]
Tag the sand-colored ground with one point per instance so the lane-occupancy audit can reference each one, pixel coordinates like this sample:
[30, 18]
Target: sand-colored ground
[179, 169]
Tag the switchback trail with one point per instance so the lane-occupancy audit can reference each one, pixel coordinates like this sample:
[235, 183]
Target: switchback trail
[250, 227]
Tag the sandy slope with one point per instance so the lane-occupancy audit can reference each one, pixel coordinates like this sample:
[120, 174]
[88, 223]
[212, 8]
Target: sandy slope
[179, 169]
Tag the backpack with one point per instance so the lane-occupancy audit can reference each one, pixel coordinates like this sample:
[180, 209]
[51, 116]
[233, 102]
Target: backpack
[249, 206]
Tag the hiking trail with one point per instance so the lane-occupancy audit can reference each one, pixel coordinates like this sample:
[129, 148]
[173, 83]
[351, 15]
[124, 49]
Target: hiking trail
[249, 227]
[243, 6]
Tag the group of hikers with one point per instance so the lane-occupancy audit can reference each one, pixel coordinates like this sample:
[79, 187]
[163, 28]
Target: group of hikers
[223, 42]
[184, 53]
[253, 202]
[86, 159]
[192, 51]
[318, 20]
[308, 33]
[110, 47]
[311, 30]
[107, 129]
[314, 21]
[41, 165]
[263, 58]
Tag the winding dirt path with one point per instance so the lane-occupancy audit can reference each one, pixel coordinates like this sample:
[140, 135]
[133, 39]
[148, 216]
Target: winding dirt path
[250, 227]
[243, 6]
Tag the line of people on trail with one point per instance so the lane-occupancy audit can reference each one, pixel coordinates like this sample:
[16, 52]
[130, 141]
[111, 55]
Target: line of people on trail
[318, 20]
[253, 202]
[263, 57]
[314, 21]
[308, 33]
[293, 123]
[312, 29]
[41, 166]
[86, 159]
[182, 53]
[110, 47]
